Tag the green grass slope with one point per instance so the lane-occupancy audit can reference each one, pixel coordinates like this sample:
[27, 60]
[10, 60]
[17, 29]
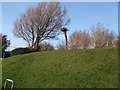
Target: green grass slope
[94, 68]
[0, 74]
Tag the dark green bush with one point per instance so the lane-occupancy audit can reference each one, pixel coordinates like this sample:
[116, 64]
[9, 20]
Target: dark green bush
[7, 54]
[19, 51]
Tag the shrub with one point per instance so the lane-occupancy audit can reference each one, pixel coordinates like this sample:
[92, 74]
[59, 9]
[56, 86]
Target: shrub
[19, 51]
[7, 54]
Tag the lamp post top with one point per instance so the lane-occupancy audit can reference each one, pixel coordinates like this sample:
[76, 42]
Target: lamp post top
[64, 29]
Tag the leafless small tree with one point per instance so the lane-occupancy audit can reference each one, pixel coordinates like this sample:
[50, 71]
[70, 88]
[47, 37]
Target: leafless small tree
[101, 36]
[74, 40]
[61, 45]
[80, 40]
[46, 46]
[85, 40]
[119, 41]
[40, 23]
[111, 38]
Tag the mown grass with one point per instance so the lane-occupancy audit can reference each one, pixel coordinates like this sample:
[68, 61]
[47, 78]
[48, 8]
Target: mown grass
[0, 74]
[94, 68]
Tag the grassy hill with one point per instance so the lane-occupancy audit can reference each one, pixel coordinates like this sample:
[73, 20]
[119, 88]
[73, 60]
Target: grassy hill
[0, 74]
[64, 69]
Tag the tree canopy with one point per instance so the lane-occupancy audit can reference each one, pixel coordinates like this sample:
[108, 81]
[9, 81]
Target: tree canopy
[4, 43]
[40, 23]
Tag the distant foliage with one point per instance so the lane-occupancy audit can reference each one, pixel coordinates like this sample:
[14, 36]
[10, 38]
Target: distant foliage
[7, 54]
[116, 42]
[101, 36]
[19, 51]
[4, 43]
[61, 45]
[79, 40]
[98, 37]
[45, 46]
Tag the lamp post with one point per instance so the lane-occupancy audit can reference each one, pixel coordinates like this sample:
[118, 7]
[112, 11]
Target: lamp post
[64, 30]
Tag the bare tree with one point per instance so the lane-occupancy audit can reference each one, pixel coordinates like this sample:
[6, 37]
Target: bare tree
[74, 41]
[40, 23]
[116, 42]
[85, 40]
[61, 45]
[111, 38]
[80, 40]
[101, 36]
[46, 46]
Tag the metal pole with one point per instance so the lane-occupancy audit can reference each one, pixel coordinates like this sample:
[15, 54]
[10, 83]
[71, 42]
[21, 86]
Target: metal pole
[9, 81]
[64, 30]
[66, 40]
